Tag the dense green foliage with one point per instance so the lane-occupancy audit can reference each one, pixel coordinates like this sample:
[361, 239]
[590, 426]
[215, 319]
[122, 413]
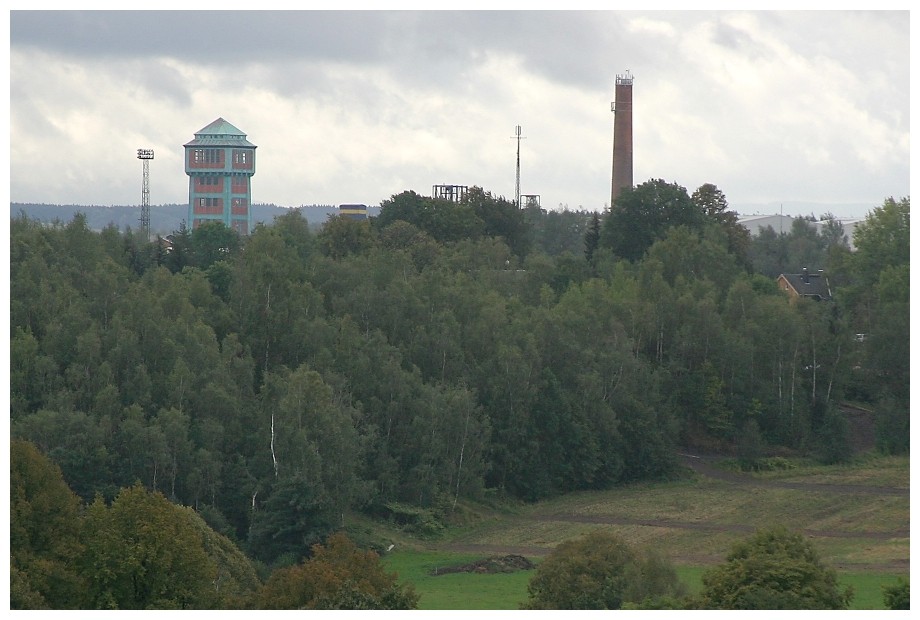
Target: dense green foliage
[139, 552]
[601, 571]
[643, 215]
[44, 532]
[437, 352]
[338, 575]
[773, 569]
[897, 596]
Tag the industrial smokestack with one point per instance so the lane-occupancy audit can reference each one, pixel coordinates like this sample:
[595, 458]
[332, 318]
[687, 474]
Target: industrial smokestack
[622, 175]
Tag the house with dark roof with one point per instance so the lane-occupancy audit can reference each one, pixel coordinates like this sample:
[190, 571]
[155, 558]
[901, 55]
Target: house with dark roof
[805, 285]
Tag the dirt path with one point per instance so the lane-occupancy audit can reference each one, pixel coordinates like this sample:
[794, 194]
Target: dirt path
[703, 466]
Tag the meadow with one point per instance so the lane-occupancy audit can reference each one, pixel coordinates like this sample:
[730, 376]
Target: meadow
[856, 516]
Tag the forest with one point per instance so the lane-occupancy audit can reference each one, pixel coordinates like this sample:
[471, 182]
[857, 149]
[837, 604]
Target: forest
[270, 386]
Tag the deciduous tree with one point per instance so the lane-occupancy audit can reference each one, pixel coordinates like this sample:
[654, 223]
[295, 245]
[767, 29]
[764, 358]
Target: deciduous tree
[714, 204]
[600, 571]
[44, 533]
[773, 569]
[143, 552]
[212, 242]
[338, 575]
[342, 236]
[643, 214]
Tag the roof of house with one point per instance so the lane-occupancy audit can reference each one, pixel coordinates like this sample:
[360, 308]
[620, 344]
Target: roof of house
[220, 133]
[807, 284]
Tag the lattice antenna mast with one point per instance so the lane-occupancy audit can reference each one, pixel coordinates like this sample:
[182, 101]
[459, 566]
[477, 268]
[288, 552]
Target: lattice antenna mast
[517, 176]
[145, 155]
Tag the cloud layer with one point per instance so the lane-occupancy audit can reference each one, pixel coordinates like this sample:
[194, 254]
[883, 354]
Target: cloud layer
[356, 106]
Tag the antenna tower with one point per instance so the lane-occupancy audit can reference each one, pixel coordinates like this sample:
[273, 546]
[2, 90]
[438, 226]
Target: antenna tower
[517, 176]
[145, 155]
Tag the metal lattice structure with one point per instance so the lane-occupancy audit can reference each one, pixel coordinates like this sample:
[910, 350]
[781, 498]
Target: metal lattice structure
[453, 193]
[517, 176]
[145, 155]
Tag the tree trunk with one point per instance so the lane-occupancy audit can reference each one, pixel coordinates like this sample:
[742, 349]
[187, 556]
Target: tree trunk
[814, 370]
[274, 459]
[466, 426]
[830, 380]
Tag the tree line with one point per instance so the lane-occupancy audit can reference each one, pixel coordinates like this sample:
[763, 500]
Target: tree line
[439, 352]
[141, 551]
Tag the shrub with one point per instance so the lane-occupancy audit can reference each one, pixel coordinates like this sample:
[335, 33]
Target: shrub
[773, 569]
[834, 439]
[892, 426]
[600, 571]
[897, 596]
[337, 576]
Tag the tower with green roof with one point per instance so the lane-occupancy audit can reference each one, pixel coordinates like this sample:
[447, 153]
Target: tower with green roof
[219, 163]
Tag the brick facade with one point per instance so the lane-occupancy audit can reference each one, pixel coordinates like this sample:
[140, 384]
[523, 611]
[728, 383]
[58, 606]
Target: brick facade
[219, 163]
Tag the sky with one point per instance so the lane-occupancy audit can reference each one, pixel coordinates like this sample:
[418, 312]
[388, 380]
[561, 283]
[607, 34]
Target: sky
[774, 108]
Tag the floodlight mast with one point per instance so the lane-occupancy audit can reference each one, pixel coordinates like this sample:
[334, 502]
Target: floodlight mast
[145, 155]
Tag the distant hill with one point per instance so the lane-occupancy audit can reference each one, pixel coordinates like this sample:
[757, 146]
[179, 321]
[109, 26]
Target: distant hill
[164, 219]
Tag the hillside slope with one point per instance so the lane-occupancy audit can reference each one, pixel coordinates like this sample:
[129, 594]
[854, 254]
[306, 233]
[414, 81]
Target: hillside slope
[858, 517]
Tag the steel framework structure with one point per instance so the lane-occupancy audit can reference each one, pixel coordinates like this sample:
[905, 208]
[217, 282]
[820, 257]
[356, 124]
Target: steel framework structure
[145, 155]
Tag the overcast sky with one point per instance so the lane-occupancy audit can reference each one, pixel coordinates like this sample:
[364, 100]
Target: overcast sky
[355, 106]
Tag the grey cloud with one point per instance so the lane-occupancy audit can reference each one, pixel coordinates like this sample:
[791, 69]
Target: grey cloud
[733, 39]
[204, 36]
[431, 47]
[568, 47]
[163, 81]
[366, 68]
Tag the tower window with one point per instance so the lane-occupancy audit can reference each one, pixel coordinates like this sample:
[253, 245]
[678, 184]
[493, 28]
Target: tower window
[206, 158]
[208, 183]
[242, 158]
[239, 184]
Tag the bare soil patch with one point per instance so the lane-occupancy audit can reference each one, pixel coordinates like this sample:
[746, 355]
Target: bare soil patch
[497, 564]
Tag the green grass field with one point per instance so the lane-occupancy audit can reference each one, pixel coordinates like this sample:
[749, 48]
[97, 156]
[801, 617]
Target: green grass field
[692, 522]
[457, 590]
[508, 590]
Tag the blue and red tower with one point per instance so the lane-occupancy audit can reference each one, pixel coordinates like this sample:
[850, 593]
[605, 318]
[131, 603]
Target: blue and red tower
[220, 162]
